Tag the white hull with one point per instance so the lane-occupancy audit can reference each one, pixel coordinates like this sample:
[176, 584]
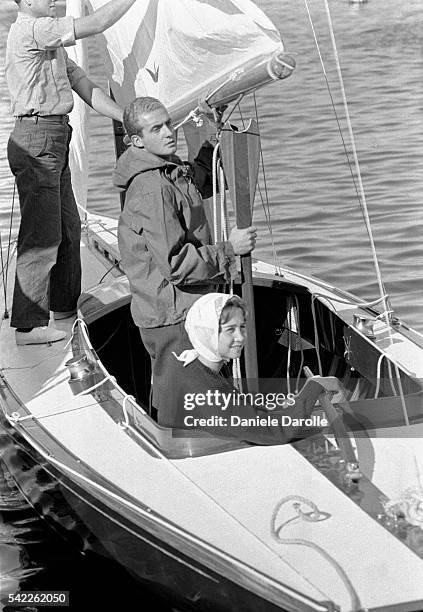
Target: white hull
[216, 509]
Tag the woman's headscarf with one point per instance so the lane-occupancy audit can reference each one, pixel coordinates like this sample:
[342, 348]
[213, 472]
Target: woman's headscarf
[202, 325]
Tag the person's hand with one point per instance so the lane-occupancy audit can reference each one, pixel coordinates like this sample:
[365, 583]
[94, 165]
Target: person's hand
[212, 114]
[243, 240]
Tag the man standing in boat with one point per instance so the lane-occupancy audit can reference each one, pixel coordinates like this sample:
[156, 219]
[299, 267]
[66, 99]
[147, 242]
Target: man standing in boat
[164, 237]
[41, 78]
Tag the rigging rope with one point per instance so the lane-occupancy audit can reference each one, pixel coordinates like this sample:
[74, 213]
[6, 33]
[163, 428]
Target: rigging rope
[357, 177]
[360, 189]
[4, 271]
[265, 201]
[5, 265]
[316, 334]
[223, 211]
[297, 320]
[215, 165]
[362, 199]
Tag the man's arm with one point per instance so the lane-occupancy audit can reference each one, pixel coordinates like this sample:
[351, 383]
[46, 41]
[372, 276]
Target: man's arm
[97, 99]
[102, 18]
[181, 262]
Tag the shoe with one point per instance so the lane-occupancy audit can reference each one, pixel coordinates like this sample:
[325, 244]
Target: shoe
[39, 335]
[63, 315]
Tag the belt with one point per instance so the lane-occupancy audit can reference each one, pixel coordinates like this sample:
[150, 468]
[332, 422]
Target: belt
[37, 118]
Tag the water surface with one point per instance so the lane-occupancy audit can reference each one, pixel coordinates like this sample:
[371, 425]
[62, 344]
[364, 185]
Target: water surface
[316, 218]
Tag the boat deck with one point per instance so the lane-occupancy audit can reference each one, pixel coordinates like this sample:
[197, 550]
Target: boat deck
[224, 501]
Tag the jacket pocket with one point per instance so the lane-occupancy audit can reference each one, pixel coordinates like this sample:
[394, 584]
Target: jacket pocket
[167, 293]
[135, 224]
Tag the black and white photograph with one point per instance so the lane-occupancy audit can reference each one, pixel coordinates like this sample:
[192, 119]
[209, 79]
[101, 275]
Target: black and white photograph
[211, 305]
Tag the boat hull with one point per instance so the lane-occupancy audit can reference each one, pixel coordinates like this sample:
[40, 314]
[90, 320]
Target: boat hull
[89, 523]
[62, 450]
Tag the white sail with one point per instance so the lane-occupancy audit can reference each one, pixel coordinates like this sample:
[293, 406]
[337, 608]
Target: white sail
[176, 50]
[79, 148]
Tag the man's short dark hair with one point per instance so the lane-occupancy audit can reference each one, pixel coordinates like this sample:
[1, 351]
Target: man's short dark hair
[134, 109]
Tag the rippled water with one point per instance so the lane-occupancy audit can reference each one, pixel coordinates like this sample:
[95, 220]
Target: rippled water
[315, 213]
[317, 222]
[35, 558]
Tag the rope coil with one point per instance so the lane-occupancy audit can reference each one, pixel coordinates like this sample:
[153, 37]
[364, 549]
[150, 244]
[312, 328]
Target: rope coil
[313, 516]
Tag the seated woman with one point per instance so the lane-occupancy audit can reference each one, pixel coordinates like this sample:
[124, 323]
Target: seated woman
[201, 397]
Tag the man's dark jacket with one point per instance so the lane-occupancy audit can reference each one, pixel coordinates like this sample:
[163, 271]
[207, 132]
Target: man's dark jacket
[164, 237]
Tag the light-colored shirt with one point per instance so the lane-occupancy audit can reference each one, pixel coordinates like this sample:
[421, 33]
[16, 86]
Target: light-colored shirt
[39, 73]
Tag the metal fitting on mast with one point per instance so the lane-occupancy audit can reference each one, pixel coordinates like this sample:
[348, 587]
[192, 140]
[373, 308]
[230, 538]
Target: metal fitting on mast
[280, 65]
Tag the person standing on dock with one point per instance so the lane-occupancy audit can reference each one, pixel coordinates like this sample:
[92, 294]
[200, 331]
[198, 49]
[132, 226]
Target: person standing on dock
[164, 237]
[40, 79]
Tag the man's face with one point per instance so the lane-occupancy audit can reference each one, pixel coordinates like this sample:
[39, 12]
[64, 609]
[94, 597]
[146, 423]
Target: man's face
[158, 135]
[41, 8]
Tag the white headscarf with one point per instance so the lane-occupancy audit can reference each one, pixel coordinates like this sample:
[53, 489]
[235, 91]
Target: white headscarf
[202, 325]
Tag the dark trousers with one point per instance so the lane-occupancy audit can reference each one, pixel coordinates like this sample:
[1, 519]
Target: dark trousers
[160, 342]
[48, 268]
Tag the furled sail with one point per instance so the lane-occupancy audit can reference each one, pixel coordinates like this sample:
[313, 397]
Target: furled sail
[177, 50]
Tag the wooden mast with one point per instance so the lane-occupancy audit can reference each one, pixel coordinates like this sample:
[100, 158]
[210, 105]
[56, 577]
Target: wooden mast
[241, 155]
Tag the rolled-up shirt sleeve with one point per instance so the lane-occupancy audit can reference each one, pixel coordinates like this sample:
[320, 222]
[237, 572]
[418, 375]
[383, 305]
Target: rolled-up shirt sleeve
[74, 72]
[53, 32]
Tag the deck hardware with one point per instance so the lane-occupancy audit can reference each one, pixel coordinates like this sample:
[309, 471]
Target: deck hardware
[353, 474]
[81, 373]
[78, 367]
[394, 321]
[364, 324]
[348, 352]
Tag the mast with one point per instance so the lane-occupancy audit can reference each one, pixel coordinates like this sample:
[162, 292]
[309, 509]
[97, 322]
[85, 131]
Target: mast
[241, 155]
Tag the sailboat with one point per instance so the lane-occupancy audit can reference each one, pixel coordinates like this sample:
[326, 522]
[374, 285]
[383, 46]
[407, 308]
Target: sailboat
[332, 521]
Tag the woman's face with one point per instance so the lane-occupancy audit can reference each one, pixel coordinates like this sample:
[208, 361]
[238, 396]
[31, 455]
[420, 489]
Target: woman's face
[232, 335]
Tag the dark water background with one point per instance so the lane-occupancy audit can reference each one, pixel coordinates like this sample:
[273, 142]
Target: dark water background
[316, 218]
[35, 558]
